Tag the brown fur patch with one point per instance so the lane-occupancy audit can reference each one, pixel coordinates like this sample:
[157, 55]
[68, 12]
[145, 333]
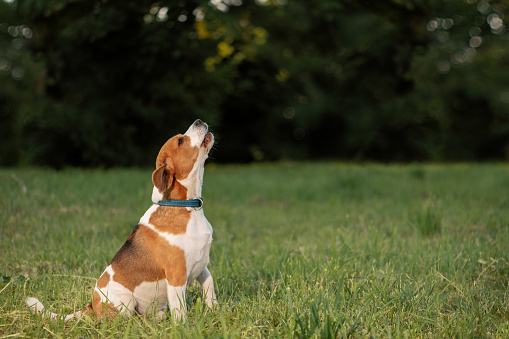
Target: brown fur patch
[170, 257]
[88, 309]
[146, 256]
[176, 191]
[103, 280]
[171, 220]
[99, 309]
[183, 156]
[133, 264]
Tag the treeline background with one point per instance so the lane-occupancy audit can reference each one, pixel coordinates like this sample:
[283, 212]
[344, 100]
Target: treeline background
[105, 83]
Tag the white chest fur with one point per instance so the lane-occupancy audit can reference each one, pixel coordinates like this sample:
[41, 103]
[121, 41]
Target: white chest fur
[195, 242]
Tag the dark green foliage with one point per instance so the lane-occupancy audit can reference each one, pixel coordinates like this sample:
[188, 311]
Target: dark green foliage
[105, 83]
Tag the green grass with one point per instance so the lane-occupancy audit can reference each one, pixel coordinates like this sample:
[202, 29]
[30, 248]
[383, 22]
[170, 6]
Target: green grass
[301, 250]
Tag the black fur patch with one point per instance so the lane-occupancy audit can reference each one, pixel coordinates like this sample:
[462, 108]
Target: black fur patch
[128, 247]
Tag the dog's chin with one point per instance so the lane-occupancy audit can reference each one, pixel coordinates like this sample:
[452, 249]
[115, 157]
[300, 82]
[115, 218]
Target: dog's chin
[208, 141]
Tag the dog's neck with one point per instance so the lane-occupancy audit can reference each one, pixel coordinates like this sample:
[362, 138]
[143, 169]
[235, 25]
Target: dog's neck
[183, 189]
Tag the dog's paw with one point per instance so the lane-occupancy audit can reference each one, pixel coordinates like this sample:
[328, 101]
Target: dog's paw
[212, 303]
[160, 316]
[179, 316]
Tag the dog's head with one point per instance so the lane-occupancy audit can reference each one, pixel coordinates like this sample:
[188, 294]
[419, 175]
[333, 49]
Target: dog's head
[183, 156]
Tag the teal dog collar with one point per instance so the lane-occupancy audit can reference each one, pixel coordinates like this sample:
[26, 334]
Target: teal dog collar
[182, 203]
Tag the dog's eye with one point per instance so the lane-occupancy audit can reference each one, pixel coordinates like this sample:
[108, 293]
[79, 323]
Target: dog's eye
[181, 140]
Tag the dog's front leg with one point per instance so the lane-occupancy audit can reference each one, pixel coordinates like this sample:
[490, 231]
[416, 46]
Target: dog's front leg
[207, 285]
[177, 302]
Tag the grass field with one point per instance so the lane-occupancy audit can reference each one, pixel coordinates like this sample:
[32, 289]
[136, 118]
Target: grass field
[300, 250]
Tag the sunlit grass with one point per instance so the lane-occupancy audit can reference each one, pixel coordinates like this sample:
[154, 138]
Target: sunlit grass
[300, 250]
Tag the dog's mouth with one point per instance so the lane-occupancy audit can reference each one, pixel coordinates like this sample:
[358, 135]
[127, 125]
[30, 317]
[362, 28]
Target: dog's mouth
[207, 140]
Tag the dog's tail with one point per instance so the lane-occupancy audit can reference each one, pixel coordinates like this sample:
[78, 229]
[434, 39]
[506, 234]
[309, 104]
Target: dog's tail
[38, 308]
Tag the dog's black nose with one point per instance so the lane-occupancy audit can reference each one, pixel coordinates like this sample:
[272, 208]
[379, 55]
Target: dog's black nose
[198, 122]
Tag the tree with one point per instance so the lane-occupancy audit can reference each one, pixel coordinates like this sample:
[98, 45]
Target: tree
[106, 83]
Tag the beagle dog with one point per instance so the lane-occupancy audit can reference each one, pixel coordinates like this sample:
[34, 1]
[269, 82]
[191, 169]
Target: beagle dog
[169, 248]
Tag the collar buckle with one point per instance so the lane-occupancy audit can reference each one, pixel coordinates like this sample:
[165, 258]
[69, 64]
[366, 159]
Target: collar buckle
[200, 202]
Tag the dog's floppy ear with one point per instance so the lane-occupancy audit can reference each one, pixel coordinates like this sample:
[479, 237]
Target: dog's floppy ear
[163, 176]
